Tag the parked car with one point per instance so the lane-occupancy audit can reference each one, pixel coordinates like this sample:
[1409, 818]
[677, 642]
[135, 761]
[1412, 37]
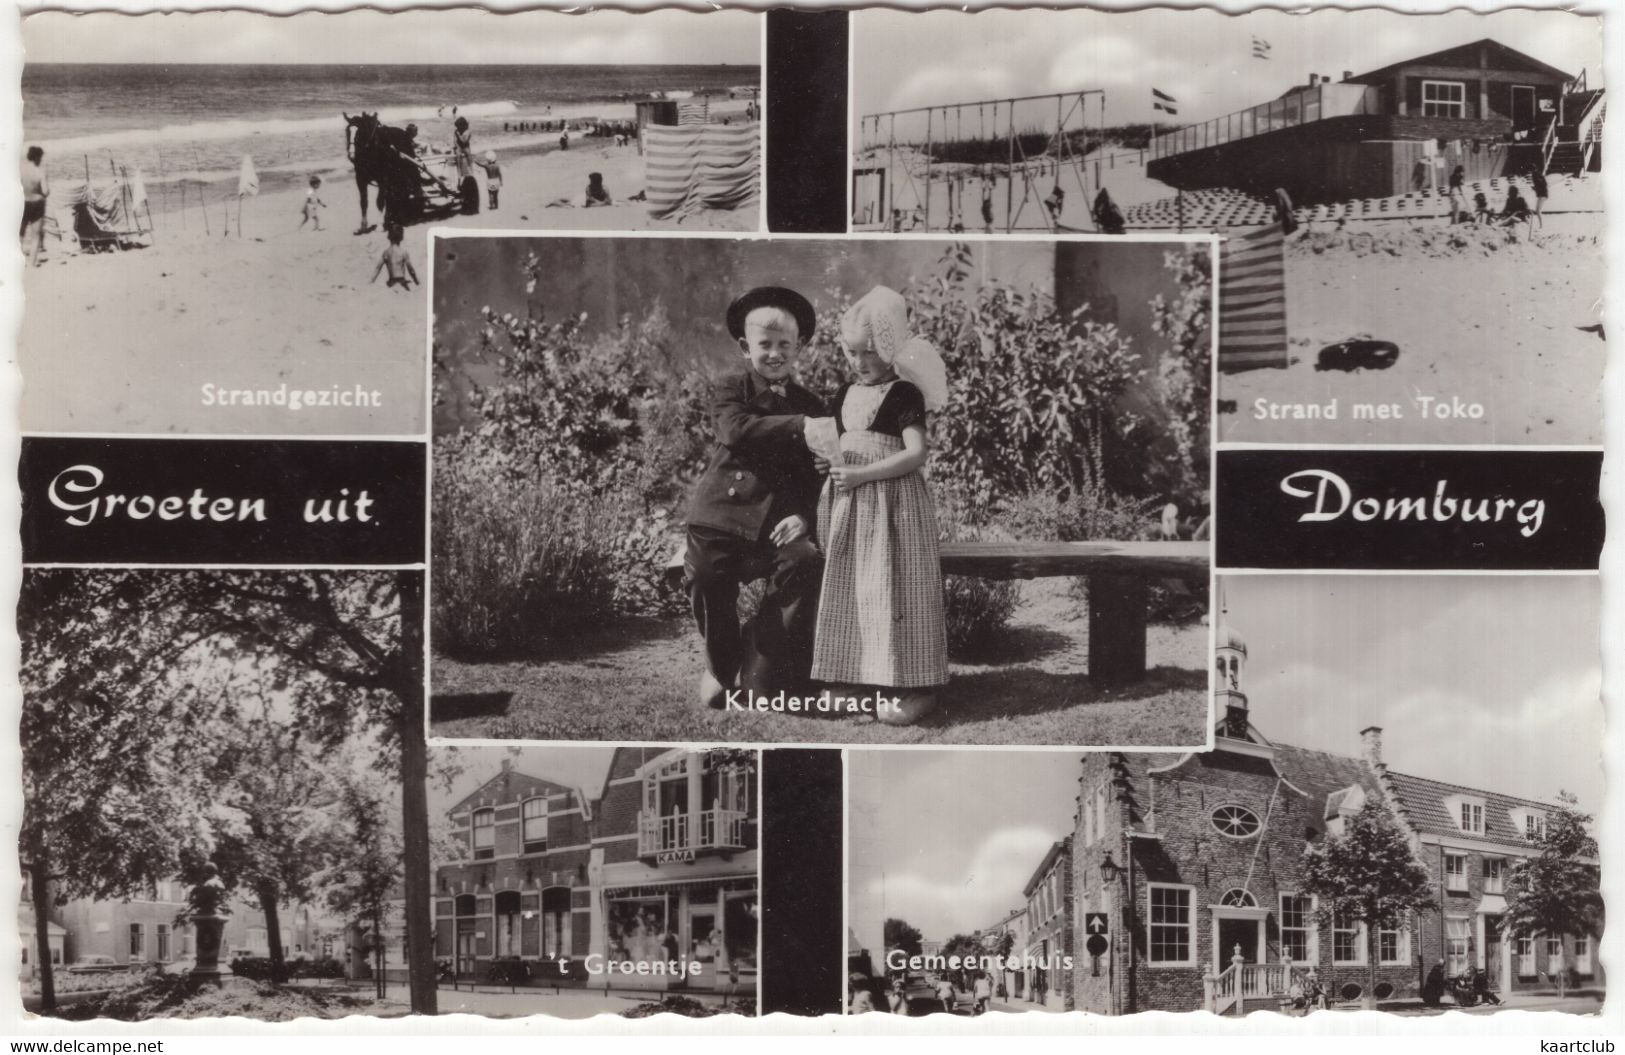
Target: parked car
[95, 965]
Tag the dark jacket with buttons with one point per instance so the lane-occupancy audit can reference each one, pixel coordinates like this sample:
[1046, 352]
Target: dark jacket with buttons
[760, 470]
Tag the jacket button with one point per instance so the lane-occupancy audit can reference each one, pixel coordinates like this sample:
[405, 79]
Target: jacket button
[732, 492]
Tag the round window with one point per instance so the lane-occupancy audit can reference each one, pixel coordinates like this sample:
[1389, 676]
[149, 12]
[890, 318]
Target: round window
[1383, 991]
[1237, 822]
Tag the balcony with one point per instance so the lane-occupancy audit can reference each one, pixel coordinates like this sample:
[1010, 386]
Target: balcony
[684, 836]
[1301, 107]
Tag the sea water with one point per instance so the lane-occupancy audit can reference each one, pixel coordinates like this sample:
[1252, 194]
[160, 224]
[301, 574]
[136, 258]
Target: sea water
[196, 122]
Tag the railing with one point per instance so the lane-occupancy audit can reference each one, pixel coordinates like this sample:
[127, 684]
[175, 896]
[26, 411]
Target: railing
[702, 830]
[1301, 107]
[1549, 144]
[1590, 131]
[1241, 982]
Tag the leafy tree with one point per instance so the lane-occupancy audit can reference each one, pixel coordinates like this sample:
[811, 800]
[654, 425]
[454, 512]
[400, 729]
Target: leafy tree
[1558, 891]
[364, 870]
[963, 946]
[1368, 875]
[343, 649]
[898, 934]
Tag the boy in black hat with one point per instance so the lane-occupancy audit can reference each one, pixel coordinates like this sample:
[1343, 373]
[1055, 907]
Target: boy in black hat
[752, 511]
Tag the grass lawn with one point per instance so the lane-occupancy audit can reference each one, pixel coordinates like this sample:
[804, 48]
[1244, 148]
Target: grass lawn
[637, 682]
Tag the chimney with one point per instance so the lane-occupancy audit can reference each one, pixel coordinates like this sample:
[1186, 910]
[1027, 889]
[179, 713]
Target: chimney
[1371, 746]
[1314, 79]
[1325, 79]
[1347, 74]
[507, 766]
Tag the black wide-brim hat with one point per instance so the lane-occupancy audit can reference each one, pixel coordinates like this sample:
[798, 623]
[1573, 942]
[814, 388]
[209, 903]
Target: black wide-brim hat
[798, 306]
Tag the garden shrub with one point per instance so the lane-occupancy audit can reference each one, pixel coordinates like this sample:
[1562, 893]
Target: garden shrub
[978, 610]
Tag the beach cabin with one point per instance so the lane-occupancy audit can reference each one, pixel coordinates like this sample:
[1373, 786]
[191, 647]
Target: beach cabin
[1395, 130]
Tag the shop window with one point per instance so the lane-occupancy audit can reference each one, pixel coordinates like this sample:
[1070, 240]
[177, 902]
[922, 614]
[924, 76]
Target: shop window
[1455, 873]
[535, 825]
[1171, 924]
[1444, 99]
[637, 929]
[484, 834]
[1298, 929]
[1457, 944]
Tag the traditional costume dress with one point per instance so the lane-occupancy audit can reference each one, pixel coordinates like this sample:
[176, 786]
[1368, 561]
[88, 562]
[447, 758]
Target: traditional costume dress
[880, 615]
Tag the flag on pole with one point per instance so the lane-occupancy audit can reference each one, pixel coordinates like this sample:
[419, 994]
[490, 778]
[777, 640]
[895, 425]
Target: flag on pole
[1261, 48]
[248, 181]
[1163, 101]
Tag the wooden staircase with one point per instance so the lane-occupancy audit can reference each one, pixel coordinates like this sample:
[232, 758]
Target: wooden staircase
[1573, 147]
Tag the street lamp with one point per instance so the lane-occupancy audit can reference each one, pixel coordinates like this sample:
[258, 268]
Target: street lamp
[1109, 870]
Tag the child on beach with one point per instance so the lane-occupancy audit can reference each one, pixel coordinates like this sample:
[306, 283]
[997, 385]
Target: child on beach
[493, 178]
[880, 615]
[397, 261]
[313, 205]
[597, 193]
[751, 512]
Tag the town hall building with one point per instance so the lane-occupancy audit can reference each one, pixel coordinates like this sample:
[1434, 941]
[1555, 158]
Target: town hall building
[1196, 863]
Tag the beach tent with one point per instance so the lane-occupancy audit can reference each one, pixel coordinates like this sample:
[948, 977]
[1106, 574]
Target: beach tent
[693, 167]
[1252, 300]
[104, 216]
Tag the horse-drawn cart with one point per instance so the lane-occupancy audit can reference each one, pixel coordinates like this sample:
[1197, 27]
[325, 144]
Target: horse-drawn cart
[412, 187]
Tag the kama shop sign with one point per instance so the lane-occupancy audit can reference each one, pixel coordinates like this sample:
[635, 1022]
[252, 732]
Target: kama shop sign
[666, 857]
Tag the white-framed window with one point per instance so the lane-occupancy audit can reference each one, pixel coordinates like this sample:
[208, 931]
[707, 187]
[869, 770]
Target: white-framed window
[1171, 924]
[1525, 949]
[1472, 817]
[1455, 873]
[1444, 99]
[1582, 954]
[1298, 932]
[1393, 945]
[1531, 824]
[484, 833]
[1495, 869]
[1554, 954]
[1348, 939]
[162, 936]
[534, 819]
[1458, 931]
[138, 943]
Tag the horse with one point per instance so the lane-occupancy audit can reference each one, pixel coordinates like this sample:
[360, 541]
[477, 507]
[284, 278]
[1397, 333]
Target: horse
[380, 155]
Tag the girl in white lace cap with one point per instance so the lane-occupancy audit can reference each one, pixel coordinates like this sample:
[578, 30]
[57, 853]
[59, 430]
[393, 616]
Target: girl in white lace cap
[880, 616]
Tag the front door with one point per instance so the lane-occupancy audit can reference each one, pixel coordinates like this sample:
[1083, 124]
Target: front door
[465, 948]
[1494, 949]
[1234, 932]
[1523, 107]
[705, 946]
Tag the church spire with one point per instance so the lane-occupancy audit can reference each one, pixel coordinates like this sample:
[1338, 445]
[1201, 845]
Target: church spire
[1229, 667]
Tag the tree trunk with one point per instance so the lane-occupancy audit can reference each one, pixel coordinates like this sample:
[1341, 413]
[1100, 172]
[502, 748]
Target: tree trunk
[1368, 999]
[268, 892]
[423, 991]
[38, 869]
[380, 984]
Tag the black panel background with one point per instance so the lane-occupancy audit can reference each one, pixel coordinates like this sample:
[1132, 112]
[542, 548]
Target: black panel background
[806, 121]
[284, 472]
[1258, 524]
[803, 871]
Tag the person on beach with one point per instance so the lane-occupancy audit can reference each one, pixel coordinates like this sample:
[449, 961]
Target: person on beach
[564, 140]
[397, 261]
[493, 178]
[987, 204]
[1107, 216]
[313, 205]
[1517, 208]
[880, 614]
[597, 194]
[1054, 203]
[751, 512]
[1537, 183]
[462, 149]
[1457, 194]
[36, 189]
[1481, 210]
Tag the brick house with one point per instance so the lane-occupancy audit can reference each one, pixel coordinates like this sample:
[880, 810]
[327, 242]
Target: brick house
[661, 866]
[1196, 860]
[1484, 106]
[1049, 929]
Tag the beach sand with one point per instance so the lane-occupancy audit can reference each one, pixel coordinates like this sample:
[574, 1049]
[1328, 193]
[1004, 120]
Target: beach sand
[1478, 316]
[126, 342]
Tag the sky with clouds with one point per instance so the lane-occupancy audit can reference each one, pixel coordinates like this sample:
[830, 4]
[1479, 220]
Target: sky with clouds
[947, 839]
[1488, 681]
[1202, 58]
[450, 37]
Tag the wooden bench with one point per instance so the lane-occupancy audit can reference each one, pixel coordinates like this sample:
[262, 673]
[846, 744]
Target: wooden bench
[1118, 574]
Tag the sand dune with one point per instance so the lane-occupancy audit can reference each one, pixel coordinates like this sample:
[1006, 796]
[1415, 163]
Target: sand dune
[126, 342]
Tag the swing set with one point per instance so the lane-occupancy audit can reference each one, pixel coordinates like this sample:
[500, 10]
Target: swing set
[892, 160]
